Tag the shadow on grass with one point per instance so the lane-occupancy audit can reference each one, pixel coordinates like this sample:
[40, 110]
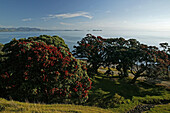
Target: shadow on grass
[108, 92]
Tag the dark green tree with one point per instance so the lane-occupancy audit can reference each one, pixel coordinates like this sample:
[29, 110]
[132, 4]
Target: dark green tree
[93, 49]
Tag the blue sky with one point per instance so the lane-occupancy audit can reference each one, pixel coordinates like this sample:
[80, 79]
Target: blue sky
[141, 15]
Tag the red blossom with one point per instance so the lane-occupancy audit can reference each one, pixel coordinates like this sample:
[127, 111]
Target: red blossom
[75, 89]
[66, 73]
[29, 58]
[26, 78]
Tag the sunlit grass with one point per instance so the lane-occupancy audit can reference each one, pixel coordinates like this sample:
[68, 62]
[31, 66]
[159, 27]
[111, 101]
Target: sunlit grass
[121, 96]
[14, 106]
[160, 109]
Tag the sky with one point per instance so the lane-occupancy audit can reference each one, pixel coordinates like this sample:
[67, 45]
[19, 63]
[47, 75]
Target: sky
[140, 15]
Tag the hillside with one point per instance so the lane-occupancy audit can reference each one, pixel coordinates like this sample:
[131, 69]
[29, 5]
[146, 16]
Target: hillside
[15, 106]
[20, 29]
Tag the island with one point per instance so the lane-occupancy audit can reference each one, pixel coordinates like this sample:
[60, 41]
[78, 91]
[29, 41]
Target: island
[21, 29]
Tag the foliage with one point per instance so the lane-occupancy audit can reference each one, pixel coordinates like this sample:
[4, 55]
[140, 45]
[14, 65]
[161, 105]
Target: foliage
[49, 40]
[150, 62]
[92, 48]
[140, 59]
[1, 53]
[166, 47]
[43, 73]
[122, 53]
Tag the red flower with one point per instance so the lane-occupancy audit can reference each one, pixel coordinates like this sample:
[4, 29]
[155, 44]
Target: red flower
[29, 58]
[87, 45]
[66, 73]
[44, 64]
[25, 73]
[28, 66]
[52, 64]
[7, 73]
[26, 78]
[99, 37]
[75, 89]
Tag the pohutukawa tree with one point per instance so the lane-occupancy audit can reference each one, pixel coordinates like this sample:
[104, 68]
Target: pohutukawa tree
[122, 53]
[151, 62]
[38, 72]
[93, 49]
[166, 48]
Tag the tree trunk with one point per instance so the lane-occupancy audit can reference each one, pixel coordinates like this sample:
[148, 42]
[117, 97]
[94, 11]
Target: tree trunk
[134, 79]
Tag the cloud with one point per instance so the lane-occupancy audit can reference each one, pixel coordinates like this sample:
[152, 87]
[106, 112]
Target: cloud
[26, 19]
[62, 23]
[2, 26]
[68, 15]
[108, 11]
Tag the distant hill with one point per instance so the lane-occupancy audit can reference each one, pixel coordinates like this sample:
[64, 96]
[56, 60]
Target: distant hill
[21, 29]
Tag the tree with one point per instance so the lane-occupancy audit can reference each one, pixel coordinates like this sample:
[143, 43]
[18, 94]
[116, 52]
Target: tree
[122, 53]
[42, 73]
[166, 48]
[1, 53]
[49, 40]
[93, 49]
[150, 62]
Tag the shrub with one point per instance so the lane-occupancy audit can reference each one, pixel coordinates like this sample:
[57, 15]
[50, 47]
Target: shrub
[38, 72]
[49, 40]
[1, 52]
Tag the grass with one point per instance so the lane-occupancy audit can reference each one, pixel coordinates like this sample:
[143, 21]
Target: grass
[15, 106]
[121, 96]
[160, 109]
[107, 95]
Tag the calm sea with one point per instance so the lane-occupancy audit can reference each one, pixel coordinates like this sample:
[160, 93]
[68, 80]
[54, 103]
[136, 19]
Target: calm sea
[71, 37]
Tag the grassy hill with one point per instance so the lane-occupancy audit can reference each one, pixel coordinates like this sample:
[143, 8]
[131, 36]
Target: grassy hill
[15, 106]
[107, 95]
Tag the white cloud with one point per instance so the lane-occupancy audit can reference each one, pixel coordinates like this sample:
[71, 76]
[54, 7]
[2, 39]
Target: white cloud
[2, 26]
[62, 23]
[26, 19]
[68, 15]
[108, 11]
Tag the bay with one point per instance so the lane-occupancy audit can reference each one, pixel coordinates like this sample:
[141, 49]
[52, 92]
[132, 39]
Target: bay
[71, 37]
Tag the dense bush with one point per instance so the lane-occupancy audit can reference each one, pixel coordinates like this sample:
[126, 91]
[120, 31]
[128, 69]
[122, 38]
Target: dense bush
[38, 72]
[1, 53]
[49, 40]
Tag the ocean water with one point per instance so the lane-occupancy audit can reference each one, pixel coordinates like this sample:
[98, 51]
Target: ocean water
[71, 37]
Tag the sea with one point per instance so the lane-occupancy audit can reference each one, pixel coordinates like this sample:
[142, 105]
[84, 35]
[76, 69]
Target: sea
[152, 38]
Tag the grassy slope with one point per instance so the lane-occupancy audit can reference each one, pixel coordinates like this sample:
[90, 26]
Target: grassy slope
[115, 94]
[14, 106]
[160, 109]
[122, 96]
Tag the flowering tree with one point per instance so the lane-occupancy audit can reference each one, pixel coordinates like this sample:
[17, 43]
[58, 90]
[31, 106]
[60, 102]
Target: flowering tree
[49, 40]
[166, 48]
[151, 62]
[43, 73]
[121, 52]
[142, 60]
[1, 53]
[93, 49]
